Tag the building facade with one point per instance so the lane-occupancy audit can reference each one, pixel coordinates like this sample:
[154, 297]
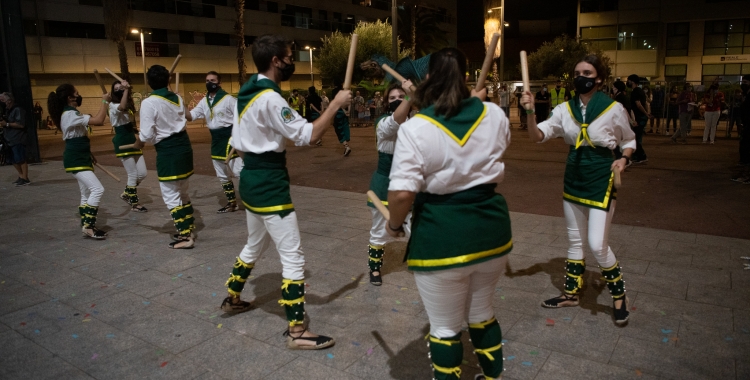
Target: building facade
[670, 40]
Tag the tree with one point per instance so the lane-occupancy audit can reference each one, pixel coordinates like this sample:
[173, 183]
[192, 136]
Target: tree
[557, 59]
[239, 30]
[423, 29]
[116, 23]
[374, 38]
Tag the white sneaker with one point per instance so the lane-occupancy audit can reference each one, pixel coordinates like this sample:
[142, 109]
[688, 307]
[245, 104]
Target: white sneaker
[347, 151]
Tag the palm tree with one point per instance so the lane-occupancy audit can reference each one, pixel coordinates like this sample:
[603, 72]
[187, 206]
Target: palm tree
[239, 29]
[116, 21]
[423, 27]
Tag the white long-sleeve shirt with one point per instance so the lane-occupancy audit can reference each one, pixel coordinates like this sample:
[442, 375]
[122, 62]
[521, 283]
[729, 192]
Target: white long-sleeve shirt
[427, 159]
[117, 117]
[386, 133]
[222, 114]
[161, 118]
[267, 123]
[74, 124]
[609, 130]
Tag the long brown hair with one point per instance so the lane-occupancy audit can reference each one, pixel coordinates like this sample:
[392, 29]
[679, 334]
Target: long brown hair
[57, 100]
[445, 87]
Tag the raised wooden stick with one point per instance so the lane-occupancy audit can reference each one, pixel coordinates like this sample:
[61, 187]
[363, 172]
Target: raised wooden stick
[229, 156]
[113, 74]
[177, 83]
[525, 71]
[396, 75]
[487, 61]
[99, 80]
[174, 64]
[618, 180]
[378, 204]
[350, 62]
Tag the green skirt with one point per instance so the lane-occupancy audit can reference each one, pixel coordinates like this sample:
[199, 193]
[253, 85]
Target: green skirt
[77, 155]
[459, 229]
[264, 184]
[589, 180]
[380, 179]
[174, 158]
[220, 143]
[125, 135]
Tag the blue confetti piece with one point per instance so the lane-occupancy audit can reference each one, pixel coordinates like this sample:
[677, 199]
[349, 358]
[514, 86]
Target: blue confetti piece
[110, 336]
[665, 340]
[510, 357]
[36, 331]
[330, 356]
[527, 364]
[665, 331]
[209, 268]
[55, 299]
[746, 331]
[146, 302]
[504, 341]
[566, 318]
[213, 294]
[61, 318]
[729, 339]
[394, 310]
[356, 343]
[415, 302]
[75, 336]
[119, 285]
[179, 275]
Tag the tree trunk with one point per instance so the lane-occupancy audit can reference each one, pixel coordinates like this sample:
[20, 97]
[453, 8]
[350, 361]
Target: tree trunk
[414, 33]
[239, 28]
[123, 56]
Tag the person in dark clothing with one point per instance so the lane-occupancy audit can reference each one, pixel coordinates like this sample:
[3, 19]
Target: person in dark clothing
[542, 101]
[38, 111]
[673, 110]
[14, 130]
[657, 108]
[641, 116]
[314, 106]
[618, 89]
[744, 176]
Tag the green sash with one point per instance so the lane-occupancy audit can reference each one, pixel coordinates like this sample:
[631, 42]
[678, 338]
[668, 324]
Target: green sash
[77, 155]
[174, 157]
[458, 229]
[597, 106]
[220, 143]
[460, 126]
[251, 91]
[589, 180]
[264, 184]
[220, 94]
[167, 95]
[125, 135]
[380, 179]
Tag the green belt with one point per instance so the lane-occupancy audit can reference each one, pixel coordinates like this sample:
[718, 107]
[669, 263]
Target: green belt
[77, 155]
[264, 184]
[589, 180]
[174, 157]
[125, 135]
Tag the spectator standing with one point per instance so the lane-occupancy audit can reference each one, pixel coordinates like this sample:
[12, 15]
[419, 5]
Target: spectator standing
[38, 111]
[522, 115]
[503, 99]
[673, 110]
[315, 108]
[294, 101]
[638, 104]
[541, 103]
[558, 95]
[744, 176]
[647, 92]
[657, 107]
[712, 100]
[359, 105]
[735, 115]
[621, 96]
[686, 112]
[324, 102]
[14, 130]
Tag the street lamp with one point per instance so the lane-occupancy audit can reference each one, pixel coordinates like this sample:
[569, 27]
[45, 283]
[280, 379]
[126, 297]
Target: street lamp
[143, 56]
[312, 78]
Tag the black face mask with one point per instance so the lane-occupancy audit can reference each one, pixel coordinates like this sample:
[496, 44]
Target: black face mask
[79, 100]
[392, 106]
[745, 87]
[286, 71]
[584, 85]
[212, 87]
[117, 96]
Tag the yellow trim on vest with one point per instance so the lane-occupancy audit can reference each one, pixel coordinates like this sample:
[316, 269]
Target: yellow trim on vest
[463, 259]
[175, 177]
[211, 107]
[251, 102]
[269, 208]
[446, 130]
[584, 135]
[177, 104]
[383, 202]
[129, 153]
[486, 351]
[589, 202]
[79, 168]
[481, 325]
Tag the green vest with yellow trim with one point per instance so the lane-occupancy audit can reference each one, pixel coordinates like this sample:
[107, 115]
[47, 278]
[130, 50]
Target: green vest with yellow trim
[125, 135]
[174, 154]
[589, 180]
[264, 181]
[77, 154]
[462, 228]
[220, 137]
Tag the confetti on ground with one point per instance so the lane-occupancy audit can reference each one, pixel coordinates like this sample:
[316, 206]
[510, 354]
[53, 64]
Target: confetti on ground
[92, 305]
[394, 310]
[550, 322]
[160, 352]
[527, 364]
[356, 343]
[119, 285]
[94, 356]
[61, 318]
[330, 356]
[665, 340]
[219, 326]
[354, 278]
[510, 357]
[398, 302]
[465, 361]
[202, 311]
[110, 336]
[566, 318]
[662, 313]
[23, 323]
[348, 297]
[36, 331]
[74, 336]
[369, 351]
[404, 288]
[502, 297]
[535, 353]
[209, 268]
[415, 302]
[212, 317]
[633, 308]
[729, 339]
[146, 302]
[213, 294]
[179, 275]
[665, 331]
[163, 364]
[504, 341]
[746, 331]
[86, 320]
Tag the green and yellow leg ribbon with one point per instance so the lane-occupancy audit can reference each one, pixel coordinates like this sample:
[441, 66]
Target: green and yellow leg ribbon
[293, 300]
[132, 193]
[487, 339]
[375, 253]
[447, 355]
[88, 215]
[613, 277]
[240, 272]
[574, 275]
[229, 191]
[183, 219]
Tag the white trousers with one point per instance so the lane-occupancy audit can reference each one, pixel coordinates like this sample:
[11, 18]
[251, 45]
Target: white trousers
[91, 188]
[712, 120]
[585, 222]
[284, 232]
[226, 172]
[135, 166]
[378, 234]
[175, 193]
[454, 296]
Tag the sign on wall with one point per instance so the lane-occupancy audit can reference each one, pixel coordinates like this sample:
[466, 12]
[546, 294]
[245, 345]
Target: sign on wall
[725, 59]
[152, 49]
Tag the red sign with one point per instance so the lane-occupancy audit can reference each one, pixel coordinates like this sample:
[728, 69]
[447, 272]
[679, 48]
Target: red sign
[152, 49]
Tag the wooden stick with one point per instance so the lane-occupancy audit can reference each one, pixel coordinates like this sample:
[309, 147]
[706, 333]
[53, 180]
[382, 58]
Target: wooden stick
[229, 156]
[379, 204]
[618, 180]
[129, 146]
[525, 71]
[350, 62]
[177, 83]
[99, 80]
[103, 169]
[487, 62]
[396, 75]
[174, 64]
[113, 74]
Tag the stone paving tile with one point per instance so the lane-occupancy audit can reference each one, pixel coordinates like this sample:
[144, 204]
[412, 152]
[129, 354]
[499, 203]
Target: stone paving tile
[738, 298]
[16, 296]
[43, 320]
[22, 359]
[697, 276]
[560, 366]
[303, 368]
[643, 232]
[150, 283]
[719, 342]
[523, 361]
[703, 314]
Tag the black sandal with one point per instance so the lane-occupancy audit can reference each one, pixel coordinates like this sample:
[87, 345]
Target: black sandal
[178, 237]
[125, 198]
[321, 341]
[376, 279]
[230, 207]
[95, 233]
[621, 313]
[138, 208]
[182, 239]
[235, 308]
[563, 300]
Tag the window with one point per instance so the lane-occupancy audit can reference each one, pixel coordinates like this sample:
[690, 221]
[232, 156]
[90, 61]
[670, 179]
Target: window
[249, 40]
[159, 35]
[731, 72]
[588, 6]
[675, 73]
[187, 37]
[637, 36]
[323, 15]
[218, 39]
[95, 3]
[215, 2]
[29, 27]
[678, 39]
[272, 6]
[727, 37]
[73, 30]
[252, 5]
[600, 37]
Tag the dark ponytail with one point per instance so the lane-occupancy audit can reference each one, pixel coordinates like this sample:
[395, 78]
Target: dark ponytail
[445, 87]
[56, 102]
[129, 101]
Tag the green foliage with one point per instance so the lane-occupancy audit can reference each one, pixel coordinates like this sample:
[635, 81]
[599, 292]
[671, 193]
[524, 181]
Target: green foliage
[423, 28]
[557, 59]
[374, 38]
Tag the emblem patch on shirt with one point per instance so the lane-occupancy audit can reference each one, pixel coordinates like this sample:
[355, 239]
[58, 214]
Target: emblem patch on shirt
[287, 115]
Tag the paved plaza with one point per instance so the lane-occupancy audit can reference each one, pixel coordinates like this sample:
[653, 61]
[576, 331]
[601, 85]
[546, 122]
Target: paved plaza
[131, 308]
